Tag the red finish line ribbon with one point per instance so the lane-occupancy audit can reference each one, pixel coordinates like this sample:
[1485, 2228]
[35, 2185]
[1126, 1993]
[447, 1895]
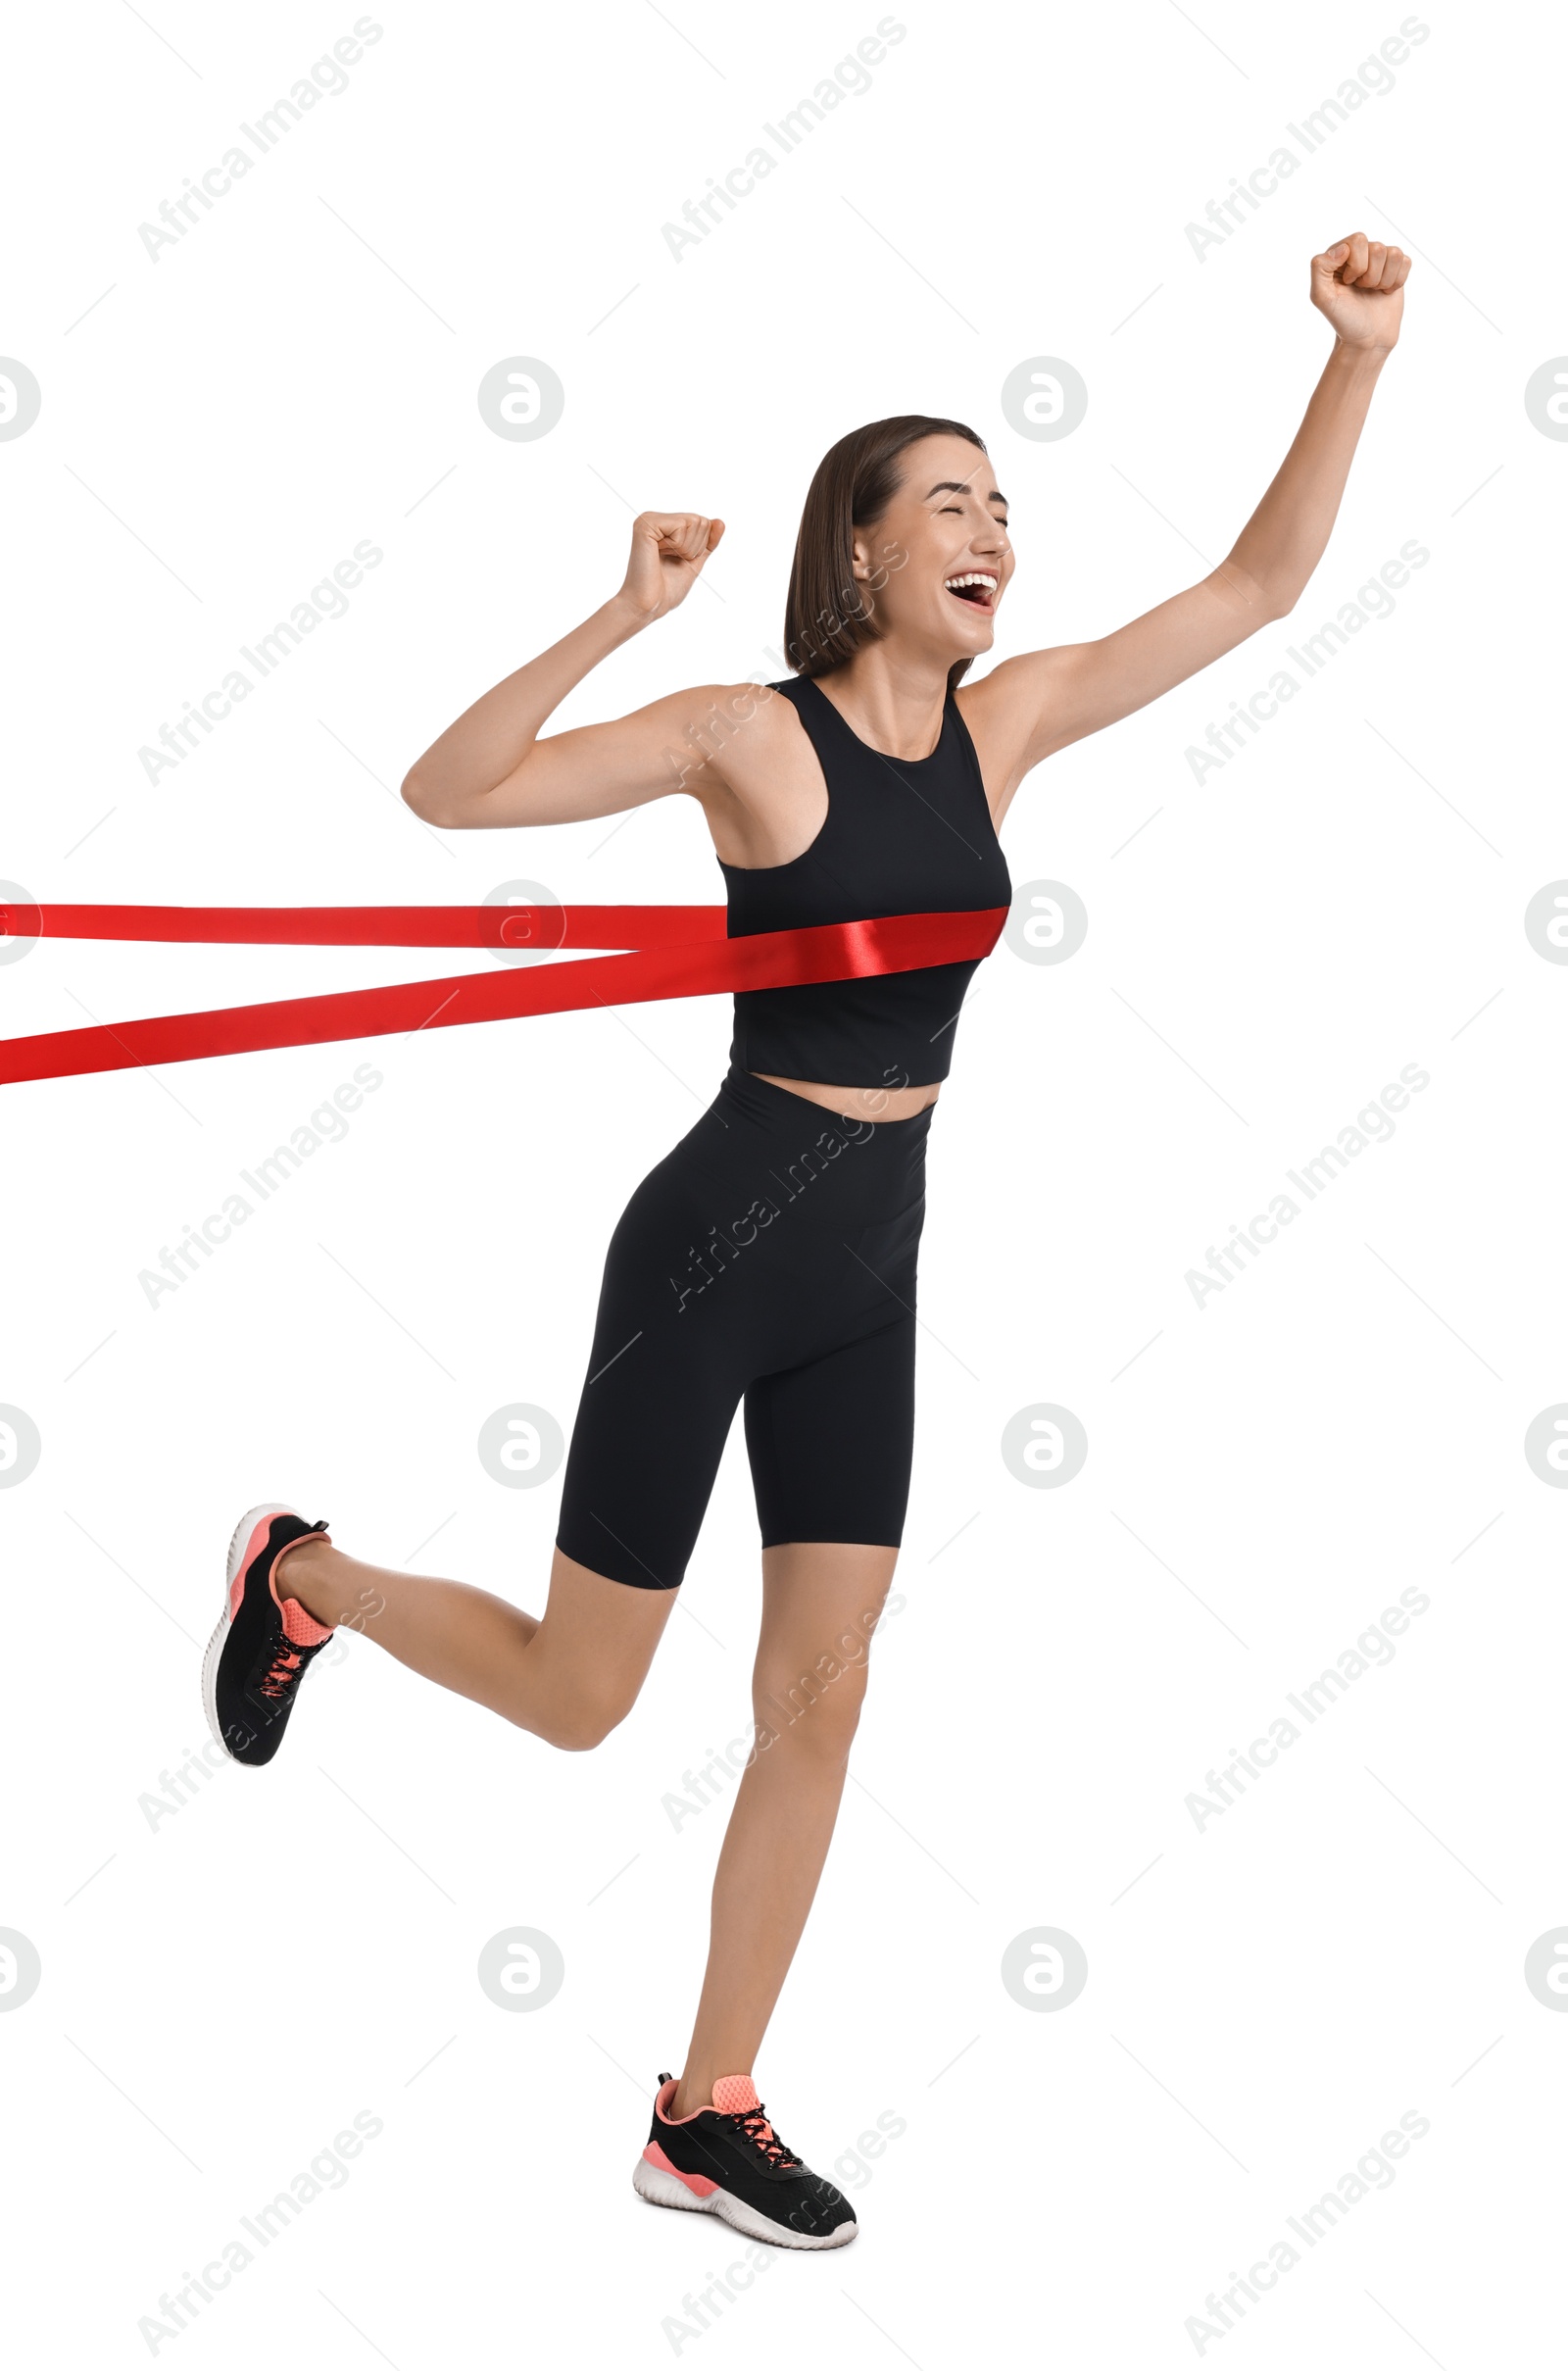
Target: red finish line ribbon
[676, 951]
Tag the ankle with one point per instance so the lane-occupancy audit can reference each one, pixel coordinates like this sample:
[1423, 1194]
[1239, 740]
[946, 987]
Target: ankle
[692, 2091]
[300, 1571]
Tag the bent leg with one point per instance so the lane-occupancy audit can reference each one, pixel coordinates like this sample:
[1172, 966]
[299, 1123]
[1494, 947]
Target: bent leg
[663, 1384]
[570, 1677]
[821, 1602]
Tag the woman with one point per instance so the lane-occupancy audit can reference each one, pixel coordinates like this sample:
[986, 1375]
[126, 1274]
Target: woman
[770, 1257]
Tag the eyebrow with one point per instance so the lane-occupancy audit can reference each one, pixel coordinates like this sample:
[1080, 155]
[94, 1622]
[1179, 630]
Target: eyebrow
[955, 485]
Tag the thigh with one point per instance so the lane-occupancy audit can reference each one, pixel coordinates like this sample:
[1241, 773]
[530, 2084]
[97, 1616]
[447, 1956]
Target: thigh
[680, 1328]
[831, 1441]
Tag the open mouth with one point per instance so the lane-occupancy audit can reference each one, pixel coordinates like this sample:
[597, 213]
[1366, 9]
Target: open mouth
[978, 588]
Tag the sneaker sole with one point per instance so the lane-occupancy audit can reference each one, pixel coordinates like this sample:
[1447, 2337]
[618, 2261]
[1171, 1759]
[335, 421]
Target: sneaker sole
[662, 2188]
[215, 1644]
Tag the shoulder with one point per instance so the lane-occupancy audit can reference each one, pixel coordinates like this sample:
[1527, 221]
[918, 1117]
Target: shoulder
[743, 728]
[755, 774]
[746, 754]
[704, 734]
[1007, 714]
[1012, 693]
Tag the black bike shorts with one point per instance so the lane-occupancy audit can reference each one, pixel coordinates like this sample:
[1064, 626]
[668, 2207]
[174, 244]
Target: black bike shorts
[771, 1257]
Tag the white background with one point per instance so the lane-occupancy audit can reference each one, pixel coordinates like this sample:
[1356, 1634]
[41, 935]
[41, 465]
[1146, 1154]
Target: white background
[223, 1990]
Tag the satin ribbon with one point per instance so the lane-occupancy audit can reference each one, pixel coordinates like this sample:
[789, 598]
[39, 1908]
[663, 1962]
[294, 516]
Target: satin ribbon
[676, 951]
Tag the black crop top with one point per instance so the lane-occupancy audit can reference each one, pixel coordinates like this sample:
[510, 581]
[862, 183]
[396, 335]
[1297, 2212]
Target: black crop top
[902, 835]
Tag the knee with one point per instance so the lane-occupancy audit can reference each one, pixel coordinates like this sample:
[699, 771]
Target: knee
[576, 1728]
[815, 1718]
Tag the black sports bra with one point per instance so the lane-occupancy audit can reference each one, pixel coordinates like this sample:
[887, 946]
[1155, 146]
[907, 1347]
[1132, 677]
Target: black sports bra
[902, 835]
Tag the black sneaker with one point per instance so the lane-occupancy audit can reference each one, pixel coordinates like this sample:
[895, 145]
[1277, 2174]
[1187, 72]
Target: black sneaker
[728, 2161]
[263, 1644]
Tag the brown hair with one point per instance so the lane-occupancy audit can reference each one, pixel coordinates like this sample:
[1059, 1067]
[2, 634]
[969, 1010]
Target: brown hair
[827, 616]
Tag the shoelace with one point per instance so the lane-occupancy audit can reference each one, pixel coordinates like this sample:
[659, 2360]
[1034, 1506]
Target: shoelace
[759, 2132]
[286, 1665]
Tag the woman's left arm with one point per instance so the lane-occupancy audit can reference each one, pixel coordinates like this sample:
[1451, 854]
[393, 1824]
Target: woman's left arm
[1031, 706]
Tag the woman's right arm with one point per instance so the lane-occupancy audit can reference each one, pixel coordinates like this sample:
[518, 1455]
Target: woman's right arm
[491, 770]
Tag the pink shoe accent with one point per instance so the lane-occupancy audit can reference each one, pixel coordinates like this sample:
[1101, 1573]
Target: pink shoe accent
[736, 2095]
[733, 2096]
[696, 2182]
[253, 1548]
[661, 2105]
[300, 1628]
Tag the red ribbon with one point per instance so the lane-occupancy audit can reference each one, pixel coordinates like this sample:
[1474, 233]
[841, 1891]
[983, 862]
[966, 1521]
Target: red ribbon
[676, 951]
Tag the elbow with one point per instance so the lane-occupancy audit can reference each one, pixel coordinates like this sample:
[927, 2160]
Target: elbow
[1278, 596]
[425, 800]
[1261, 601]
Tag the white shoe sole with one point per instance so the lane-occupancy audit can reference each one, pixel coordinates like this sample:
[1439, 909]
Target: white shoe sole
[660, 2189]
[215, 1644]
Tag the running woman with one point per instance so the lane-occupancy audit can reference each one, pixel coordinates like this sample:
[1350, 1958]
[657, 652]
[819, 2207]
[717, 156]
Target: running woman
[770, 1259]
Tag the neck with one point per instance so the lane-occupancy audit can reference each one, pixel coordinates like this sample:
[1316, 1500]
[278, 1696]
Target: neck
[894, 701]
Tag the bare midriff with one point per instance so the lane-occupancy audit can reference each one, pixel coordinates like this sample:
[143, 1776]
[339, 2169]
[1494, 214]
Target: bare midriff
[860, 1103]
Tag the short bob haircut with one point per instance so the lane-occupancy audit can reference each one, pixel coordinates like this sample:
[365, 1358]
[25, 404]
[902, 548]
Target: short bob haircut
[827, 616]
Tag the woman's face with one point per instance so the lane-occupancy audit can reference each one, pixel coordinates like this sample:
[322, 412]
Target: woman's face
[938, 562]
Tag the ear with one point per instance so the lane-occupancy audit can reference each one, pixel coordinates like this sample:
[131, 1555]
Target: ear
[864, 559]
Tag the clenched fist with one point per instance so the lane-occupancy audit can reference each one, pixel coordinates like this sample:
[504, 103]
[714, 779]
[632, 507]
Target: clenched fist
[667, 551]
[1359, 285]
